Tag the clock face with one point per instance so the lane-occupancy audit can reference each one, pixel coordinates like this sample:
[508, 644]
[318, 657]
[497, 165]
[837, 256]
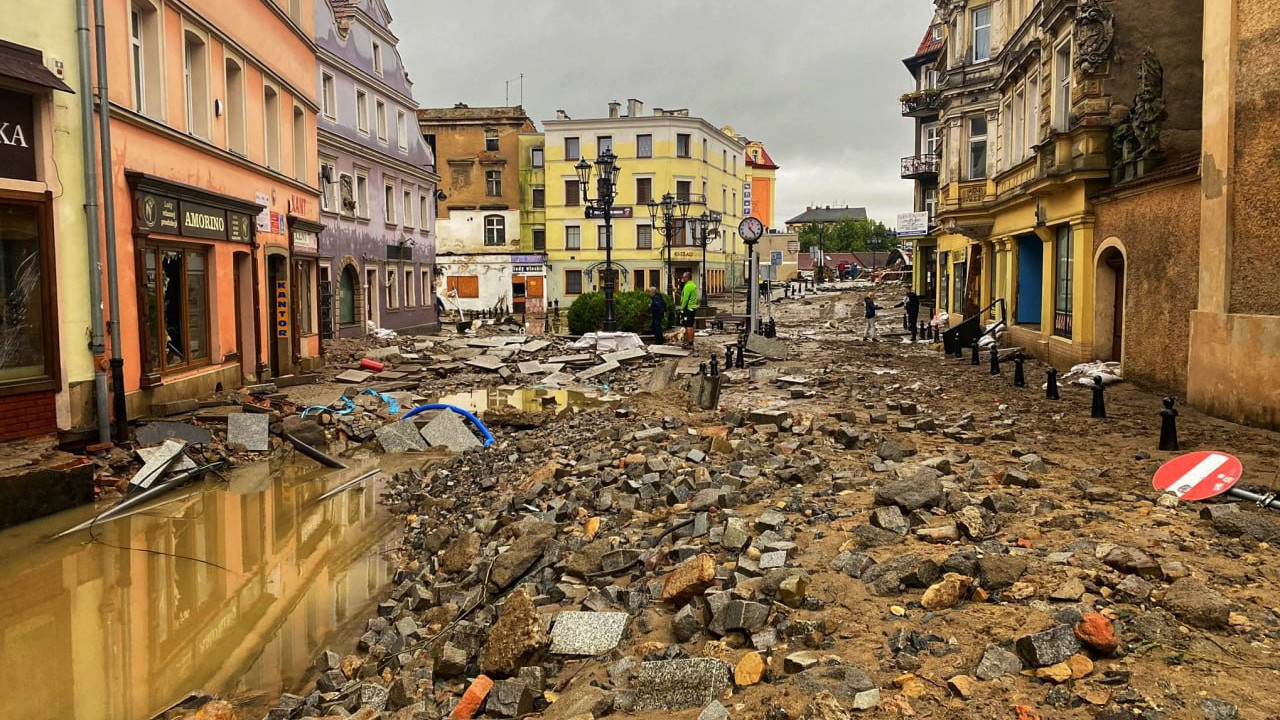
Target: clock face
[751, 228]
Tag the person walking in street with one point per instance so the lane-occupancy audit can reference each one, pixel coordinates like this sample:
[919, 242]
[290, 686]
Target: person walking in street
[688, 307]
[657, 314]
[912, 305]
[871, 307]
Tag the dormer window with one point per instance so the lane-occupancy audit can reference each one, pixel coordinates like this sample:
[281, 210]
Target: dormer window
[377, 58]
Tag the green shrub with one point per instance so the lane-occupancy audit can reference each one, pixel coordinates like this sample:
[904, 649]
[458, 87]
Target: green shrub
[586, 314]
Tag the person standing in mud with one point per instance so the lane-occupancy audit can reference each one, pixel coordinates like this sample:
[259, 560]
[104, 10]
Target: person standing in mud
[871, 307]
[688, 307]
[911, 303]
[657, 314]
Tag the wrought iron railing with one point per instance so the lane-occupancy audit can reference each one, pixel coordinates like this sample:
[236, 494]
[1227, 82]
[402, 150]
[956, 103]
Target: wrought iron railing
[915, 166]
[921, 101]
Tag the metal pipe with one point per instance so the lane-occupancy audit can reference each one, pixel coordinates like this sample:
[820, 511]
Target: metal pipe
[1267, 501]
[119, 411]
[88, 149]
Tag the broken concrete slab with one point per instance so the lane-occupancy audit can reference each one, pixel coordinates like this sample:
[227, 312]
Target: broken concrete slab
[680, 684]
[625, 355]
[157, 432]
[353, 376]
[398, 437]
[769, 348]
[535, 346]
[580, 359]
[152, 454]
[448, 429]
[164, 458]
[252, 430]
[587, 633]
[530, 367]
[668, 351]
[486, 362]
[598, 370]
[662, 376]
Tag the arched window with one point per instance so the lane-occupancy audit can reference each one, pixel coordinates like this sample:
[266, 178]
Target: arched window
[495, 230]
[348, 291]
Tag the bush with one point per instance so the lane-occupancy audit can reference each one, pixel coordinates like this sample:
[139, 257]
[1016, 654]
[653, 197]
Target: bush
[586, 314]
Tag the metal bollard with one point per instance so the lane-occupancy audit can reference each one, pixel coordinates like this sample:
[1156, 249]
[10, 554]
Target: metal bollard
[742, 352]
[715, 365]
[1168, 426]
[1019, 377]
[1099, 404]
[995, 361]
[702, 369]
[1051, 389]
[973, 358]
[728, 356]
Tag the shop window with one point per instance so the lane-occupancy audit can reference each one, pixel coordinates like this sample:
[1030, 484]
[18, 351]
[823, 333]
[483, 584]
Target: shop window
[572, 282]
[1064, 282]
[24, 337]
[305, 269]
[175, 307]
[348, 291]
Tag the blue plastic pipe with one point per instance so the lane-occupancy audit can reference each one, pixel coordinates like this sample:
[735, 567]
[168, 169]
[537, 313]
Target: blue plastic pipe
[488, 436]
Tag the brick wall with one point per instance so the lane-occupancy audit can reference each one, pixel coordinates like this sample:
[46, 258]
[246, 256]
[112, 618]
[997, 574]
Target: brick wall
[27, 415]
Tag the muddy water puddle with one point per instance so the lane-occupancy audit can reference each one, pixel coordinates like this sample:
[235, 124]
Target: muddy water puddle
[230, 588]
[527, 399]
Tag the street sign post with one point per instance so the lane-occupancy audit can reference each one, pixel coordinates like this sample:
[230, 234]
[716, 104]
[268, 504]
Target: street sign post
[598, 213]
[1205, 475]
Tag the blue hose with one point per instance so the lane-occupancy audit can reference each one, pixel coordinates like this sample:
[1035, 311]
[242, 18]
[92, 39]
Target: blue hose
[488, 436]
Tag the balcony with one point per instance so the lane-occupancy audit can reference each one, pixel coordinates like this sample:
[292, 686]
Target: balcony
[921, 103]
[920, 167]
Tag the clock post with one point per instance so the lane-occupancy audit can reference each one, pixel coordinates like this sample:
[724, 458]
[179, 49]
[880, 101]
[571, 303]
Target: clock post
[751, 229]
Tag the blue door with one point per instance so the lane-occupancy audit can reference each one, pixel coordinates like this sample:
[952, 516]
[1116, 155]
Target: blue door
[1030, 279]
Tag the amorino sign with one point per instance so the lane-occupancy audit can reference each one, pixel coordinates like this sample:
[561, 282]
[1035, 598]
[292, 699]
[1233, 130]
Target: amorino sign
[170, 216]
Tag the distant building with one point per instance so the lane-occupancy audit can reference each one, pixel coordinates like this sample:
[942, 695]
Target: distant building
[376, 257]
[824, 216]
[921, 166]
[483, 152]
[762, 179]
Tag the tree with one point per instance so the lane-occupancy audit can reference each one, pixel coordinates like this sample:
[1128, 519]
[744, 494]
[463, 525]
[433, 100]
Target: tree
[848, 235]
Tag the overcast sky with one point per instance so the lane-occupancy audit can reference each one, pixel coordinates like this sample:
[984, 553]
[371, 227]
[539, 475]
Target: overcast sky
[816, 80]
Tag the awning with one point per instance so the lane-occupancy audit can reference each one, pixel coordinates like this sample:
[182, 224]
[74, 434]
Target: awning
[27, 65]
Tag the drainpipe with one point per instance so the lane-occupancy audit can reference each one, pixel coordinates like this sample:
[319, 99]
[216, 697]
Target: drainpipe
[97, 333]
[259, 367]
[119, 411]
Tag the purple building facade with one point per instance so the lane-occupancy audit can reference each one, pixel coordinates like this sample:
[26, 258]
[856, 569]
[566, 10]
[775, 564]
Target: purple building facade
[378, 179]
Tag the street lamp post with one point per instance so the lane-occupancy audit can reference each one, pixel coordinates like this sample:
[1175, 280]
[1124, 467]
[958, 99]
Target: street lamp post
[667, 217]
[602, 205]
[706, 227]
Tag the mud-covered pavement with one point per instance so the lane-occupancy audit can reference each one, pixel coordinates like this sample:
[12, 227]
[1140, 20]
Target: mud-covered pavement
[865, 529]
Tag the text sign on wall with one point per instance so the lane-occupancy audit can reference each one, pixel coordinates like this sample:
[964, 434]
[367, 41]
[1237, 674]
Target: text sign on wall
[203, 221]
[746, 199]
[17, 136]
[282, 309]
[913, 223]
[305, 241]
[157, 213]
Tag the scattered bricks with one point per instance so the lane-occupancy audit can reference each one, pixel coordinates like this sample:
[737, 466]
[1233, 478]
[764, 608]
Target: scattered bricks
[735, 536]
[892, 575]
[915, 487]
[618, 559]
[1236, 519]
[252, 430]
[1132, 560]
[770, 520]
[997, 662]
[1018, 478]
[744, 615]
[750, 670]
[450, 662]
[687, 623]
[691, 578]
[1050, 647]
[947, 593]
[773, 560]
[793, 590]
[509, 699]
[174, 407]
[1095, 631]
[895, 449]
[680, 684]
[962, 686]
[472, 699]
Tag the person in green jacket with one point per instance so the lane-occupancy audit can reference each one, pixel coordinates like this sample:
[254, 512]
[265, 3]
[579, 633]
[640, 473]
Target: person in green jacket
[688, 307]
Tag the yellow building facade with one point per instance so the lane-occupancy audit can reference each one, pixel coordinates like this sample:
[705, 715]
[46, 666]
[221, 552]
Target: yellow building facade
[665, 152]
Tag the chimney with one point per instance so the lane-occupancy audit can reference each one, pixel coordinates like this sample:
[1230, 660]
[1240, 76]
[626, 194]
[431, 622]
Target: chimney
[658, 112]
[614, 107]
[562, 115]
[634, 108]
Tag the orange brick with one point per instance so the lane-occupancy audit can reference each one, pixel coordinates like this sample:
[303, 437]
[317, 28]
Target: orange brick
[473, 698]
[691, 578]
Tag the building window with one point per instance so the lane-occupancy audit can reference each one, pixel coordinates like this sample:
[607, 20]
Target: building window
[402, 132]
[1062, 87]
[362, 111]
[495, 230]
[377, 57]
[929, 140]
[604, 144]
[407, 204]
[423, 217]
[463, 286]
[724, 159]
[348, 291]
[572, 193]
[300, 144]
[380, 116]
[295, 10]
[493, 183]
[572, 237]
[937, 33]
[724, 199]
[539, 239]
[389, 201]
[393, 290]
[539, 197]
[271, 125]
[25, 350]
[682, 145]
[644, 190]
[328, 96]
[1033, 113]
[1063, 280]
[734, 169]
[644, 238]
[535, 156]
[977, 148]
[144, 37]
[328, 199]
[655, 279]
[572, 282]
[571, 150]
[982, 34]
[637, 281]
[305, 269]
[491, 140]
[704, 150]
[602, 237]
[427, 292]
[234, 110]
[362, 195]
[684, 190]
[644, 146]
[196, 83]
[175, 305]
[931, 202]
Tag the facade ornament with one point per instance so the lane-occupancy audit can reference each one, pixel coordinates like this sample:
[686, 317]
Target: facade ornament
[948, 9]
[1095, 36]
[1136, 139]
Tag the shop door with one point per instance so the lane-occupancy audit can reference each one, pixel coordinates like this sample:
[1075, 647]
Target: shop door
[279, 341]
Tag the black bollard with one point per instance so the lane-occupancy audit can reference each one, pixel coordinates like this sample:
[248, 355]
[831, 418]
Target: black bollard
[1051, 389]
[715, 365]
[995, 361]
[728, 356]
[1099, 404]
[974, 359]
[702, 369]
[1019, 378]
[742, 352]
[1168, 426]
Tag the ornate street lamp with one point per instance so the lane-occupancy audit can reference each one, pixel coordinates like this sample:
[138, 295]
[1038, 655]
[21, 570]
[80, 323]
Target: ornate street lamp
[706, 227]
[602, 206]
[668, 217]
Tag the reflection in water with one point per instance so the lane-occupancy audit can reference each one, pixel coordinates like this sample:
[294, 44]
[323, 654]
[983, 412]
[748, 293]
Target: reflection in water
[106, 633]
[522, 398]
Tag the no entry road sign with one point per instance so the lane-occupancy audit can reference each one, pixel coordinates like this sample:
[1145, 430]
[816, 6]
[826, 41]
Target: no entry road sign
[1199, 475]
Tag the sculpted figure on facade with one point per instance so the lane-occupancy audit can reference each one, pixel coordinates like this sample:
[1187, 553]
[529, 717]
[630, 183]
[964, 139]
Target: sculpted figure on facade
[948, 9]
[1136, 139]
[1095, 36]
